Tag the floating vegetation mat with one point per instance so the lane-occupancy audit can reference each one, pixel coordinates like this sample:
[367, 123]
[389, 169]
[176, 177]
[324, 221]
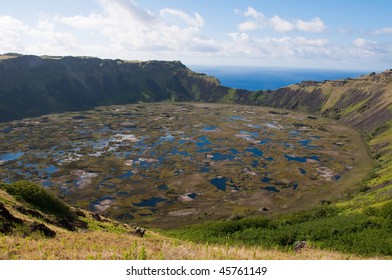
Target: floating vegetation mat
[171, 164]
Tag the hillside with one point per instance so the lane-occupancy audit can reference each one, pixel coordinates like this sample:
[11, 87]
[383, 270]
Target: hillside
[27, 232]
[31, 85]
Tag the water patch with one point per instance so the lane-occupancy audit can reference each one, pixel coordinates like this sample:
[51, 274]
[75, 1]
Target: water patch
[306, 143]
[188, 197]
[152, 202]
[266, 180]
[254, 126]
[182, 141]
[183, 153]
[50, 169]
[237, 118]
[251, 134]
[220, 183]
[210, 128]
[7, 129]
[162, 187]
[255, 151]
[303, 171]
[301, 159]
[123, 193]
[204, 170]
[265, 141]
[192, 195]
[106, 183]
[126, 175]
[221, 157]
[271, 189]
[104, 129]
[202, 142]
[337, 177]
[10, 156]
[167, 138]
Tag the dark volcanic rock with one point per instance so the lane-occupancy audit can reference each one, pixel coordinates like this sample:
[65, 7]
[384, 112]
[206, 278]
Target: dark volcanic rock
[42, 228]
[28, 212]
[7, 220]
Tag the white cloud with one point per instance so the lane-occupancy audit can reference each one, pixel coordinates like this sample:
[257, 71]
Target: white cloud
[126, 8]
[10, 33]
[83, 22]
[12, 24]
[248, 26]
[130, 29]
[277, 47]
[281, 25]
[314, 25]
[251, 12]
[259, 21]
[383, 31]
[360, 42]
[180, 17]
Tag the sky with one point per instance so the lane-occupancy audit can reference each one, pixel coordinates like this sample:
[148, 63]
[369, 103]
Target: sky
[323, 34]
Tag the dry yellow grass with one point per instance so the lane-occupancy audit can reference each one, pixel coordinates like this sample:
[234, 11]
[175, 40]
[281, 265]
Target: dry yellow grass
[114, 246]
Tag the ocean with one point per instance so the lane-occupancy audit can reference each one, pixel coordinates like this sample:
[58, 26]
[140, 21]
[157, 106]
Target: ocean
[263, 78]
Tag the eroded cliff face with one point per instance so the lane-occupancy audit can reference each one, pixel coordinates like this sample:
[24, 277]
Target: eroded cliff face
[31, 85]
[364, 103]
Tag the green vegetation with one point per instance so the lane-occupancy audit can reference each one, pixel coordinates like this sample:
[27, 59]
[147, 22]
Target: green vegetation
[365, 233]
[230, 97]
[355, 107]
[37, 197]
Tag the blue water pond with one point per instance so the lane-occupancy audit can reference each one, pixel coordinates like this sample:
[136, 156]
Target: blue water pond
[203, 142]
[271, 189]
[220, 183]
[209, 128]
[125, 175]
[11, 156]
[220, 157]
[149, 202]
[301, 159]
[162, 187]
[255, 151]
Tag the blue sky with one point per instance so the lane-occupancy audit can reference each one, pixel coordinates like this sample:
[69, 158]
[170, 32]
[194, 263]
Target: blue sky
[340, 34]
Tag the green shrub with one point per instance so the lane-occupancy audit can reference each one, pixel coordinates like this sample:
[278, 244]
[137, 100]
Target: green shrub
[368, 233]
[37, 197]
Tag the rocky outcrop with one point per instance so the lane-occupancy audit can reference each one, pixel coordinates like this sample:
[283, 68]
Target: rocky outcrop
[7, 220]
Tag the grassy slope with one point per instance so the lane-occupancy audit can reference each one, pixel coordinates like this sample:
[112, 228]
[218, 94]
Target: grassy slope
[109, 240]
